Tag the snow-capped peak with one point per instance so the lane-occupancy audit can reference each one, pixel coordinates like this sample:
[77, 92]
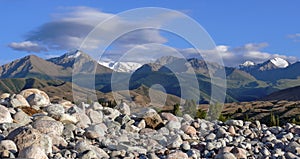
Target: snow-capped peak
[121, 66]
[74, 54]
[247, 64]
[279, 62]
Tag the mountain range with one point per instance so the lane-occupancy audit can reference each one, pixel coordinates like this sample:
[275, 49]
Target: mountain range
[247, 83]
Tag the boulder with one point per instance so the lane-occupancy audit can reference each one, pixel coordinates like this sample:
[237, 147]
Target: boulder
[36, 97]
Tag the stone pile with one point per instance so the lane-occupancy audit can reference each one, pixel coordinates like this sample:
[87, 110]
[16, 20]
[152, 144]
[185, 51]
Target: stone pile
[33, 127]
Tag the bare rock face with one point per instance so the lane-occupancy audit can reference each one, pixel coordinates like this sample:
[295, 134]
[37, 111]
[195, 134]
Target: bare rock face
[36, 97]
[5, 116]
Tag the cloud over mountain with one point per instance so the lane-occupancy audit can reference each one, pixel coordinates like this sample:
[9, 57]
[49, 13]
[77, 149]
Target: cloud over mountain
[68, 29]
[238, 55]
[27, 46]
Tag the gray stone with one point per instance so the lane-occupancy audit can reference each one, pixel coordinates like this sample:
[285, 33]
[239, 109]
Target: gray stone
[123, 108]
[96, 106]
[128, 148]
[55, 110]
[293, 147]
[49, 127]
[152, 156]
[175, 142]
[171, 125]
[83, 120]
[226, 155]
[238, 123]
[290, 155]
[177, 154]
[239, 152]
[169, 117]
[83, 146]
[188, 129]
[89, 154]
[187, 118]
[25, 136]
[33, 151]
[22, 118]
[94, 131]
[95, 116]
[210, 137]
[186, 146]
[110, 113]
[221, 133]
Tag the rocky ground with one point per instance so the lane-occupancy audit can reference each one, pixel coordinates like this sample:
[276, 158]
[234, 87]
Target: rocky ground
[33, 127]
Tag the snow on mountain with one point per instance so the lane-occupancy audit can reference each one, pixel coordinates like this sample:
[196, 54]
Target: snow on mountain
[126, 66]
[109, 64]
[121, 66]
[247, 64]
[75, 54]
[279, 62]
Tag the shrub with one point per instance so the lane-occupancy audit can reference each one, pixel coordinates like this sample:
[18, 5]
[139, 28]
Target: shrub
[201, 114]
[176, 110]
[239, 110]
[190, 107]
[214, 111]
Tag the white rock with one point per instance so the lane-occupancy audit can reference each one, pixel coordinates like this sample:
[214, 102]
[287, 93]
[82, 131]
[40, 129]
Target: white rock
[36, 97]
[18, 101]
[68, 119]
[8, 145]
[5, 116]
[238, 123]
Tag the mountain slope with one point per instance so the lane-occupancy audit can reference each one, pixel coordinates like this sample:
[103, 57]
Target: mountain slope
[79, 61]
[31, 66]
[290, 94]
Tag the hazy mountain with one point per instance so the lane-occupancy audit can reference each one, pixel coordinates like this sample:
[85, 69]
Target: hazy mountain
[273, 70]
[290, 94]
[249, 82]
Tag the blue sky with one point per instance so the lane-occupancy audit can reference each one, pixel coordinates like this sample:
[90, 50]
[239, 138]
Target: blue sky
[242, 30]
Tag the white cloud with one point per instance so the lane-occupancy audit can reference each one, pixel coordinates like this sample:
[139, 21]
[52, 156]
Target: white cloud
[294, 37]
[68, 29]
[27, 46]
[235, 56]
